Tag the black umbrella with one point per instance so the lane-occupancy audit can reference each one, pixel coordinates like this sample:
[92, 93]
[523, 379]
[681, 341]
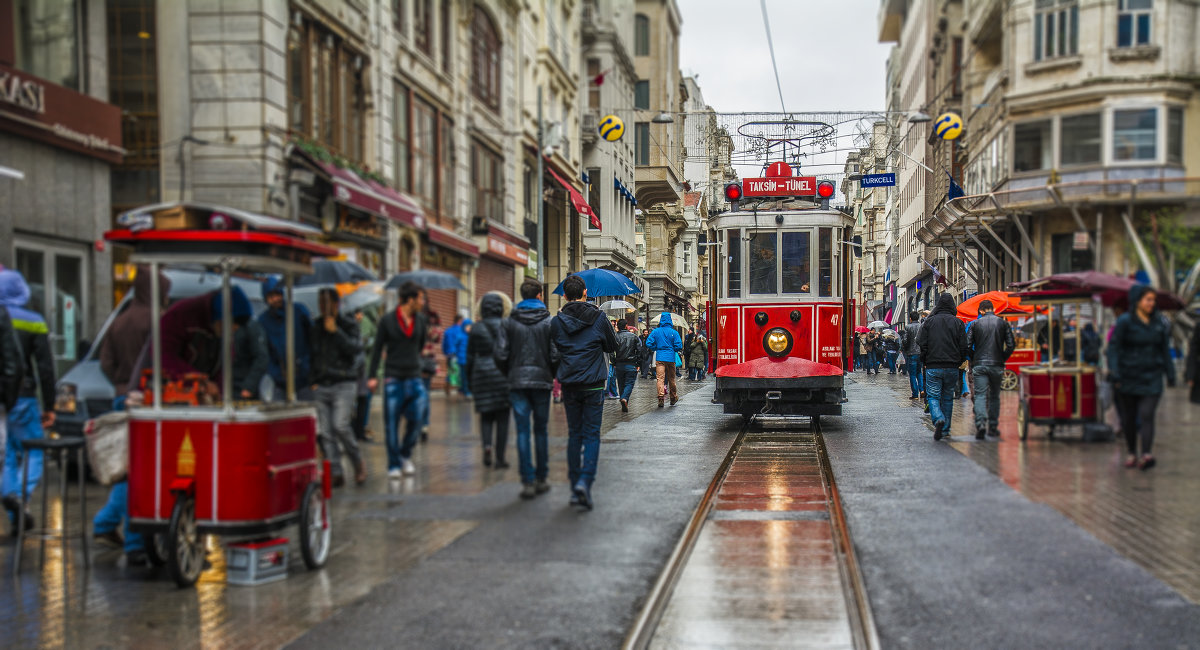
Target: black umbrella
[426, 279]
[336, 272]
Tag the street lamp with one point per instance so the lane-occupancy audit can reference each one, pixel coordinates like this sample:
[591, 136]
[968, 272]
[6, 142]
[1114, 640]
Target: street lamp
[920, 117]
[664, 118]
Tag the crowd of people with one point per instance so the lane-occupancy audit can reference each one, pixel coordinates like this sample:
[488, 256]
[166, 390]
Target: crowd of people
[940, 350]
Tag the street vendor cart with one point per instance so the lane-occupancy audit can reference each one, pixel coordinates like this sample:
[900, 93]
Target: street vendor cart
[201, 465]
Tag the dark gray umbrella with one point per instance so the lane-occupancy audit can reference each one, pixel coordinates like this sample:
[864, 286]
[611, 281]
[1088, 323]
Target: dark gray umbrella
[335, 272]
[426, 279]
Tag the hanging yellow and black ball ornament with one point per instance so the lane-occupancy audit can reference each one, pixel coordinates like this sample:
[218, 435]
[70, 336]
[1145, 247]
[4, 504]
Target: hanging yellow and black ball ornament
[948, 126]
[611, 128]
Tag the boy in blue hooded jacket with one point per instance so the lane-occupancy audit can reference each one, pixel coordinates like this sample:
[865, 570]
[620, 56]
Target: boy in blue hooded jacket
[666, 344]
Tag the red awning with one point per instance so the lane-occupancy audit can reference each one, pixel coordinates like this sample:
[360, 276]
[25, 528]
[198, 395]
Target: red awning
[354, 191]
[453, 241]
[577, 200]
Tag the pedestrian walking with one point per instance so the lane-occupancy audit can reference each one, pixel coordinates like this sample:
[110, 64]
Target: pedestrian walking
[529, 358]
[698, 358]
[336, 360]
[629, 355]
[943, 343]
[582, 335]
[399, 341]
[367, 320]
[12, 373]
[990, 342]
[891, 348]
[688, 340]
[1192, 367]
[912, 355]
[489, 384]
[120, 350]
[274, 327]
[450, 340]
[648, 356]
[429, 362]
[664, 341]
[1139, 358]
[28, 417]
[460, 354]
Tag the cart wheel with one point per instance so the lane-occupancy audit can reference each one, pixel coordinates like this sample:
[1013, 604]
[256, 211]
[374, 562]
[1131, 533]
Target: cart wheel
[185, 546]
[315, 527]
[156, 548]
[1008, 381]
[1023, 421]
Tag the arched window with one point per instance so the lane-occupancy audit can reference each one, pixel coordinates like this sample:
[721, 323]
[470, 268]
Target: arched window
[485, 59]
[641, 35]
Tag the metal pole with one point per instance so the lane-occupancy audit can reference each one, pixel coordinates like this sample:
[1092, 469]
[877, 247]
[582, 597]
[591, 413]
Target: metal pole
[156, 335]
[541, 202]
[289, 338]
[226, 339]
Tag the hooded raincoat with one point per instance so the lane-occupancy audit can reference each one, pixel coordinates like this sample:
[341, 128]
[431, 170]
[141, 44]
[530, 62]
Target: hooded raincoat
[582, 335]
[664, 341]
[489, 386]
[275, 330]
[33, 335]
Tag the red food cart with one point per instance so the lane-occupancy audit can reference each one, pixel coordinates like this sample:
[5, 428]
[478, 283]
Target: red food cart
[226, 467]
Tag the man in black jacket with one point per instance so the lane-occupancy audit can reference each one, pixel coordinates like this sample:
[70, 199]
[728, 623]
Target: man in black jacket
[630, 354]
[335, 384]
[402, 335]
[582, 335]
[990, 341]
[943, 343]
[525, 352]
[912, 355]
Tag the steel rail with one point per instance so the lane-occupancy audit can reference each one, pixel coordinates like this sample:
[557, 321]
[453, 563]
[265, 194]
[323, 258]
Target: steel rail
[651, 612]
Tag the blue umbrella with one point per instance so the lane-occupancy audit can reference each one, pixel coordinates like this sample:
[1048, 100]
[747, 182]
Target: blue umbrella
[602, 282]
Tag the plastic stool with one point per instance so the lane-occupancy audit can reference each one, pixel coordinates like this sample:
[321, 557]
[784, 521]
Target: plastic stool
[61, 447]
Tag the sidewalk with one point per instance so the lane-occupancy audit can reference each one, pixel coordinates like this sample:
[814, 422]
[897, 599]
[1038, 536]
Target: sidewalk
[955, 557]
[384, 530]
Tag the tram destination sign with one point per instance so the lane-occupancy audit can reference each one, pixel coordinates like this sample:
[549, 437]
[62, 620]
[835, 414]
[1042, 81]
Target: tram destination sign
[781, 186]
[878, 180]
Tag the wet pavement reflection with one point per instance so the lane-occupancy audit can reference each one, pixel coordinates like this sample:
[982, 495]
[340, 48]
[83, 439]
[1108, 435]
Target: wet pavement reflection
[1151, 517]
[380, 530]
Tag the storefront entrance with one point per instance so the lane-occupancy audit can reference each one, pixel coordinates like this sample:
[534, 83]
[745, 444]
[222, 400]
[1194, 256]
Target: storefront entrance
[64, 270]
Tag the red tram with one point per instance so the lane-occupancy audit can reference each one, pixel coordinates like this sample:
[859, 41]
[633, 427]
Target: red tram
[779, 314]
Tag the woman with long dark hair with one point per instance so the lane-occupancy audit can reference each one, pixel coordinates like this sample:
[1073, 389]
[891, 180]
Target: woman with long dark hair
[1139, 357]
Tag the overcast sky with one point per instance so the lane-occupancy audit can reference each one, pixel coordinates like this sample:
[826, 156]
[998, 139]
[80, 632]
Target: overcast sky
[828, 54]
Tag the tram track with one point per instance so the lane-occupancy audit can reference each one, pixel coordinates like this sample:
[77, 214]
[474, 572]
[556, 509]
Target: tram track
[773, 490]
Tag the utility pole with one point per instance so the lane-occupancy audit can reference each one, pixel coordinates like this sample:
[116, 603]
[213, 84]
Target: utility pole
[541, 202]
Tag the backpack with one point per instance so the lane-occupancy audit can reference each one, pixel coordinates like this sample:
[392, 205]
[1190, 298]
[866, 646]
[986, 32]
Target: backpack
[12, 361]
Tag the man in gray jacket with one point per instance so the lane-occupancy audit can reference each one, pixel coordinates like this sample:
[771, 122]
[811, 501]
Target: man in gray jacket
[912, 355]
[990, 341]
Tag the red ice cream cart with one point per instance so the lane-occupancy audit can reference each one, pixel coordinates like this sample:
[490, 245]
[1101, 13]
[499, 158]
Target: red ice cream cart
[199, 465]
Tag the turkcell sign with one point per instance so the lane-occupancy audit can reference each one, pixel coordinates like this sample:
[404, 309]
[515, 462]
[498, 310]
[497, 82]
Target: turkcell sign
[782, 186]
[878, 180]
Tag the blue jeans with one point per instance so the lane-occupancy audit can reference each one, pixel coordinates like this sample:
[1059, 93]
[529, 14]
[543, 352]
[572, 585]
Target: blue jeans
[611, 387]
[627, 375]
[916, 378]
[584, 410]
[939, 390]
[402, 398]
[987, 396]
[891, 360]
[116, 513]
[535, 403]
[24, 423]
[427, 380]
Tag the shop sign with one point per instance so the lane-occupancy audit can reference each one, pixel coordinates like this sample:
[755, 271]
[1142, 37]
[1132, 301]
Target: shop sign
[531, 269]
[508, 251]
[59, 116]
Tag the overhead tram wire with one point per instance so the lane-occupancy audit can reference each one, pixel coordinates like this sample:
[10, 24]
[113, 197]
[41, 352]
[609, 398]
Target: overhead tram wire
[771, 46]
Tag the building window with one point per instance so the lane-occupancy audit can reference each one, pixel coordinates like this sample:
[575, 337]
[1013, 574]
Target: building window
[1081, 138]
[132, 85]
[687, 258]
[1175, 136]
[485, 60]
[1066, 257]
[398, 16]
[1031, 146]
[1134, 134]
[446, 166]
[47, 40]
[326, 98]
[447, 39]
[593, 71]
[641, 95]
[401, 136]
[424, 153]
[641, 35]
[528, 184]
[487, 170]
[1133, 22]
[593, 175]
[423, 25]
[641, 143]
[1055, 28]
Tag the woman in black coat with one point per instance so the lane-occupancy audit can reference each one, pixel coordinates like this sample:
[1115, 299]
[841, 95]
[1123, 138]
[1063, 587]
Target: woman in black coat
[489, 386]
[1139, 357]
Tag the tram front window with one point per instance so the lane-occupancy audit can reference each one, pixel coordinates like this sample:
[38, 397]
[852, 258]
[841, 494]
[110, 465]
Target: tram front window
[763, 263]
[796, 259]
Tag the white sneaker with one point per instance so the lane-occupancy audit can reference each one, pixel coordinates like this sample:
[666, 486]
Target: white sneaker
[409, 468]
[394, 473]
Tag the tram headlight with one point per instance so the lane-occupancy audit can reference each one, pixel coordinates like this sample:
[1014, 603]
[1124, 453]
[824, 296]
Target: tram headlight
[777, 342]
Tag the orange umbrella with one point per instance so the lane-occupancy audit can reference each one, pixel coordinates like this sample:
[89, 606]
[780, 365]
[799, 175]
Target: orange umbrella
[1002, 301]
